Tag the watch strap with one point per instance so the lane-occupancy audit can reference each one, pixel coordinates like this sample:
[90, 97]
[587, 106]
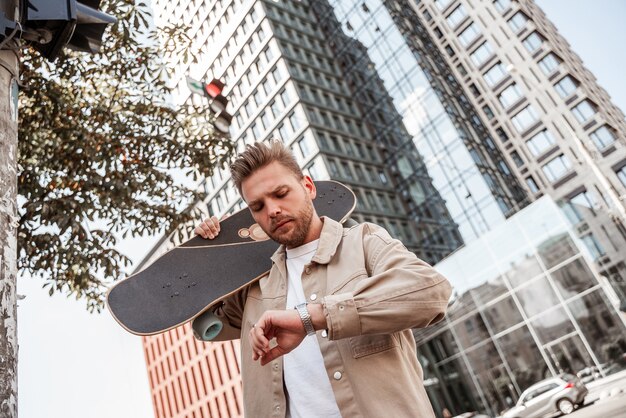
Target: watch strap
[305, 316]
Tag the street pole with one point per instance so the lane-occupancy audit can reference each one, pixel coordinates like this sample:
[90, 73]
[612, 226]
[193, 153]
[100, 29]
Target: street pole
[9, 74]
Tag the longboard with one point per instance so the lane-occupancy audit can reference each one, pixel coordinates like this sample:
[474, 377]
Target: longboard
[193, 277]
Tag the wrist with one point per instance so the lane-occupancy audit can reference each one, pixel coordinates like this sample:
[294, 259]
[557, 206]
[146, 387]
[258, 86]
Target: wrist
[316, 310]
[305, 317]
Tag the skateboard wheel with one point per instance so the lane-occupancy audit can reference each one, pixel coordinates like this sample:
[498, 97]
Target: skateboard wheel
[206, 326]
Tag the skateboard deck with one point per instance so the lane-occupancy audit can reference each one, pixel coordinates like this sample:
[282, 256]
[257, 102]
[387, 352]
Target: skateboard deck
[198, 274]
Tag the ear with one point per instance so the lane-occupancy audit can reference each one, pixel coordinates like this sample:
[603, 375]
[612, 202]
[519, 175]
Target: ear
[309, 186]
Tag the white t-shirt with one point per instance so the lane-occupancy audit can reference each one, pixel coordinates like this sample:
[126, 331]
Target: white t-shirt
[309, 393]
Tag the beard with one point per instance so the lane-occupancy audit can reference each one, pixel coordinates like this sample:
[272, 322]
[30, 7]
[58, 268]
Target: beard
[300, 225]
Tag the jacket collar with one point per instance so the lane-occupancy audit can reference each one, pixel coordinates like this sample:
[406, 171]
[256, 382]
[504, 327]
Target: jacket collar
[330, 237]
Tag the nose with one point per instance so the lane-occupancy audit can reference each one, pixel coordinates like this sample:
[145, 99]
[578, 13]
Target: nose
[273, 209]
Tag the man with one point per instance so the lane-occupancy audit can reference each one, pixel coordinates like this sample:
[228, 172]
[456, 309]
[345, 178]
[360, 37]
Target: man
[347, 350]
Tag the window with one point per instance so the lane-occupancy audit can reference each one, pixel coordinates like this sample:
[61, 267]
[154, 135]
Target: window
[383, 178]
[283, 132]
[549, 63]
[566, 86]
[510, 96]
[540, 142]
[474, 90]
[502, 135]
[621, 175]
[469, 35]
[275, 108]
[532, 184]
[503, 167]
[584, 111]
[258, 97]
[517, 159]
[557, 168]
[276, 75]
[265, 120]
[518, 21]
[488, 112]
[593, 246]
[456, 17]
[524, 119]
[256, 133]
[284, 96]
[267, 85]
[502, 5]
[578, 206]
[495, 74]
[602, 137]
[293, 120]
[532, 42]
[345, 167]
[304, 147]
[249, 108]
[334, 169]
[481, 54]
[442, 4]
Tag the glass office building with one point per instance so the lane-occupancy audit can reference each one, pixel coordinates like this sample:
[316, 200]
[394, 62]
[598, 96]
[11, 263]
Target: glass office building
[428, 111]
[528, 304]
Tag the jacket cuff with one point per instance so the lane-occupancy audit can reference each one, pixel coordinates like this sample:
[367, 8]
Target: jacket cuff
[342, 317]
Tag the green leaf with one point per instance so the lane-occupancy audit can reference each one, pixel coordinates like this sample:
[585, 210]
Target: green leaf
[96, 132]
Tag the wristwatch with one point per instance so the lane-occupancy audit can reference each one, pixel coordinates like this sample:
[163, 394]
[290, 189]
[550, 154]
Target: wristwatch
[305, 316]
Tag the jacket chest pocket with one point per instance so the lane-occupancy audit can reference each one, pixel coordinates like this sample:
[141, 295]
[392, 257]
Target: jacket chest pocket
[366, 345]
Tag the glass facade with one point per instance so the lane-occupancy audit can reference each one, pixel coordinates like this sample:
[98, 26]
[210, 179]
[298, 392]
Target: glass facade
[528, 304]
[469, 180]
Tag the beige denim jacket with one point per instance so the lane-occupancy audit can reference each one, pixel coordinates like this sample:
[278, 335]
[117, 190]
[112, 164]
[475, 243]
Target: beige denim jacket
[373, 291]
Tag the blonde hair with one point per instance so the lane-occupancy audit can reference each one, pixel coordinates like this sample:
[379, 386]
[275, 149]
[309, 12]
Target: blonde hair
[259, 155]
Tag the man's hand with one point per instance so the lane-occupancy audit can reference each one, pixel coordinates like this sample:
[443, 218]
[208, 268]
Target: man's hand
[286, 326]
[209, 228]
[288, 329]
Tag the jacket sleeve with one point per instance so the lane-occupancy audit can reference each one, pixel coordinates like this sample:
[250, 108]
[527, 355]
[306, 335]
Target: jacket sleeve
[230, 313]
[399, 292]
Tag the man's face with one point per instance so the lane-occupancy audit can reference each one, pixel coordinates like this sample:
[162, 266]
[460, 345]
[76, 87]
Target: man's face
[281, 203]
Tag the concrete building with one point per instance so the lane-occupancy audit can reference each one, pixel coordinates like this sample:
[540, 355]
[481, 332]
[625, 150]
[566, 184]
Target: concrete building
[447, 118]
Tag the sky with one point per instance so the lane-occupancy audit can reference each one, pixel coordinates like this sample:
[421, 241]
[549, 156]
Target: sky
[73, 364]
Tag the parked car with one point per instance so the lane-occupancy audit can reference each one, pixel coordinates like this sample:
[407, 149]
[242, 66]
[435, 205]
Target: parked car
[547, 397]
[589, 374]
[471, 415]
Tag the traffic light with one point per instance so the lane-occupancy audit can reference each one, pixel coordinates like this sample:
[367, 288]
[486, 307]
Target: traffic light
[222, 121]
[217, 101]
[52, 25]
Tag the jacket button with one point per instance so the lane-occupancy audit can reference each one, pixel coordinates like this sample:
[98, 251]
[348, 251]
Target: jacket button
[313, 296]
[324, 333]
[337, 375]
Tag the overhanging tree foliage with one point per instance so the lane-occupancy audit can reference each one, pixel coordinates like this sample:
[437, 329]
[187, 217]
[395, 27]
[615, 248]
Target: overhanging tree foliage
[97, 142]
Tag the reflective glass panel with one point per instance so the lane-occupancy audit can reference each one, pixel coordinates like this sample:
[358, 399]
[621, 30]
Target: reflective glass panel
[602, 328]
[573, 278]
[537, 297]
[552, 325]
[502, 315]
[524, 359]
